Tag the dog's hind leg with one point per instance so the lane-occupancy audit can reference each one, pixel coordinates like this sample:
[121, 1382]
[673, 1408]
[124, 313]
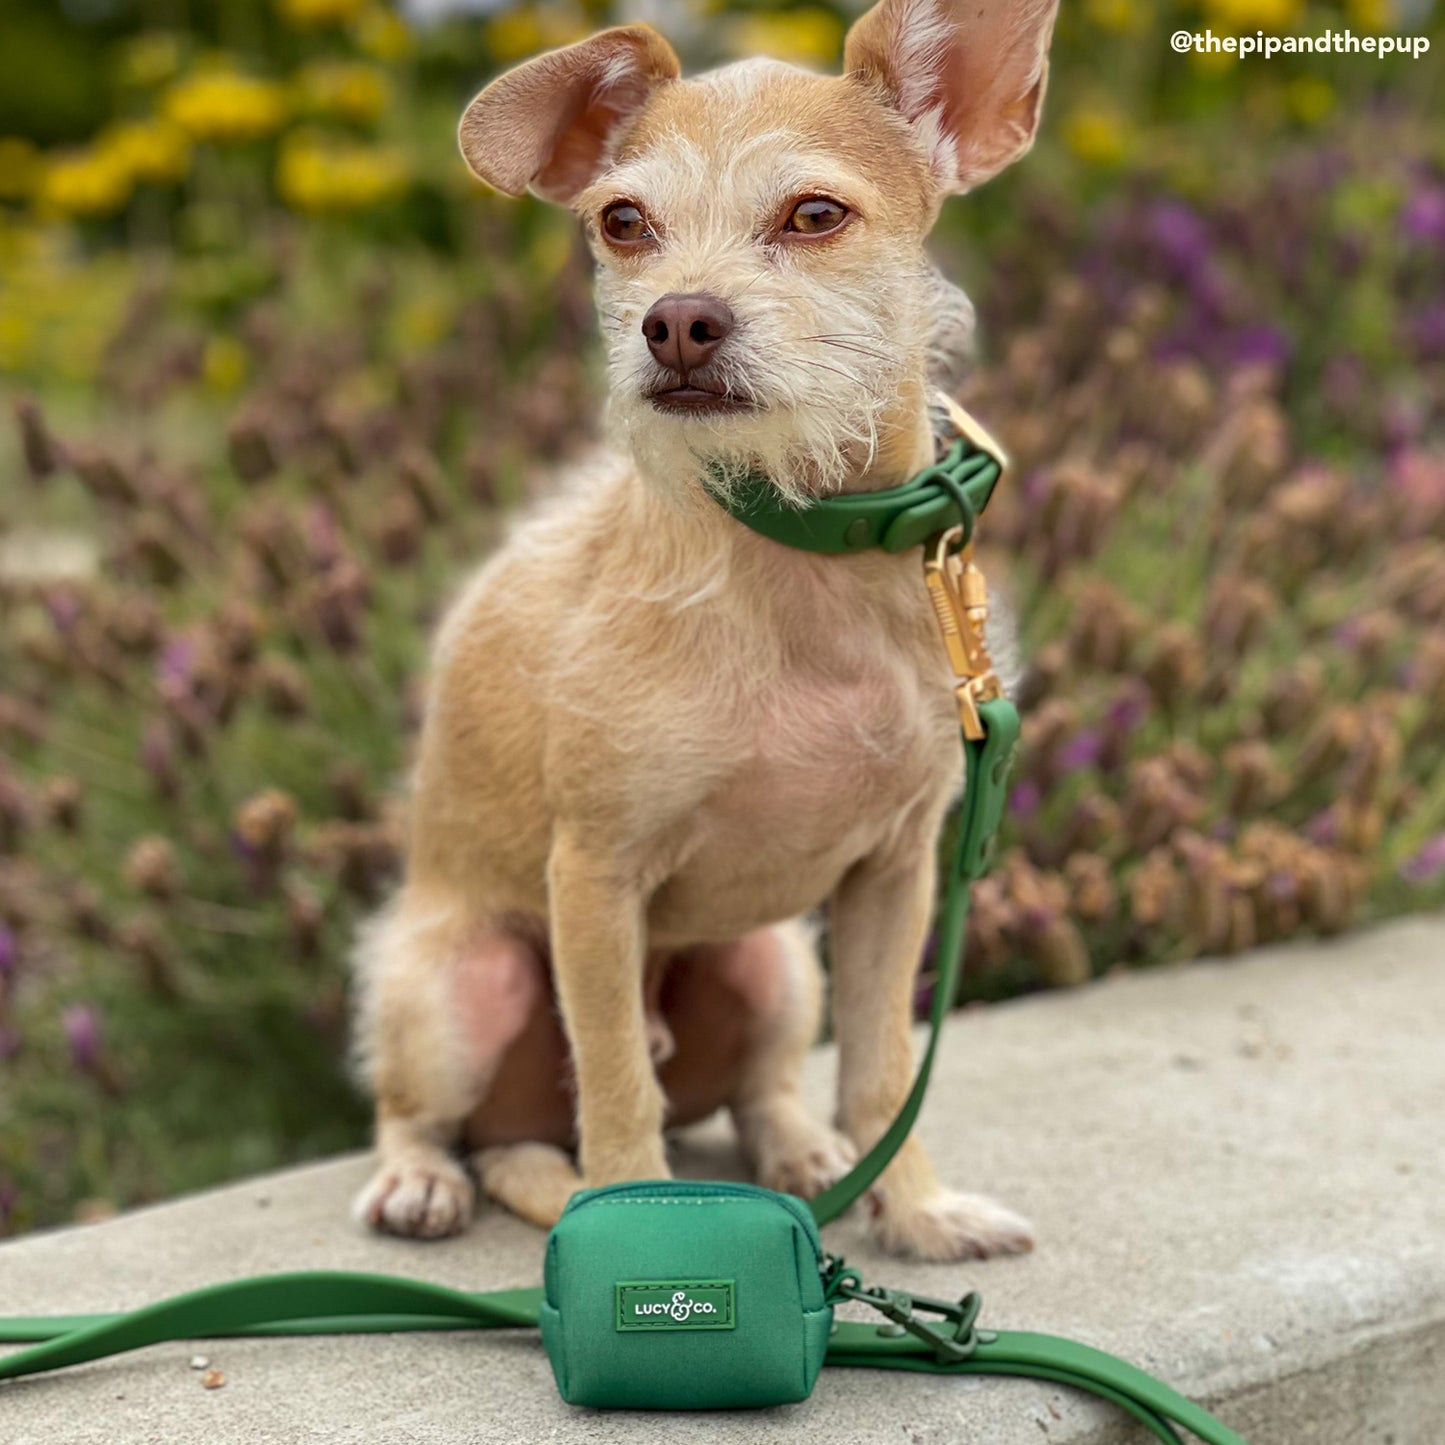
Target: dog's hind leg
[532, 1179]
[440, 1000]
[789, 1149]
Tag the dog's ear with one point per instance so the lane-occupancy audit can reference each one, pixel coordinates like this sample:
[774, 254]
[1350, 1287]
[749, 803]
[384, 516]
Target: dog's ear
[547, 124]
[969, 75]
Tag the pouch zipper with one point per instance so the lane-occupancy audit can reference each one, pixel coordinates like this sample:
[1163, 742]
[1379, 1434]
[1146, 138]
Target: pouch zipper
[669, 1188]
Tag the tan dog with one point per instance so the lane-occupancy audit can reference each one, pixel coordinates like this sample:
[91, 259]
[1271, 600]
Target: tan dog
[657, 740]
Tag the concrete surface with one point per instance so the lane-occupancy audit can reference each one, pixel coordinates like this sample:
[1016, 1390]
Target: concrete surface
[1236, 1171]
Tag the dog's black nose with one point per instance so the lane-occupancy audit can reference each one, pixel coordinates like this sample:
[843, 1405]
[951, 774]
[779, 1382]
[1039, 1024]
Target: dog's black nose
[683, 330]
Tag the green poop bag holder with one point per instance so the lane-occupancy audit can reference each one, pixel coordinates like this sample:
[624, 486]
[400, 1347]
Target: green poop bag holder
[690, 1295]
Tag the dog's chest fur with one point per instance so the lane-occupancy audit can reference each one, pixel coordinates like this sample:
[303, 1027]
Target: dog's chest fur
[732, 724]
[828, 734]
[832, 771]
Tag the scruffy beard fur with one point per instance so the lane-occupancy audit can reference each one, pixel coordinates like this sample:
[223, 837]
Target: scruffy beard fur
[822, 367]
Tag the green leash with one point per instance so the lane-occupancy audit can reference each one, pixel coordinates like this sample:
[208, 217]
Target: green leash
[320, 1302]
[929, 1335]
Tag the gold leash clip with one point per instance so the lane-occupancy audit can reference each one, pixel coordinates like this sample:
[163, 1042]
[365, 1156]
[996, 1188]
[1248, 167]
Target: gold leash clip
[959, 595]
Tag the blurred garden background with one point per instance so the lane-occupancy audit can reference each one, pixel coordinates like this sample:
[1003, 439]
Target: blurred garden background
[275, 370]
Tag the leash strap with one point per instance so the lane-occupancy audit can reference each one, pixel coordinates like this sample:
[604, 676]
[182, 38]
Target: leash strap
[340, 1303]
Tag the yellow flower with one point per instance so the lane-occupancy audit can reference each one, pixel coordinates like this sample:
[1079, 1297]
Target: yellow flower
[342, 90]
[1372, 14]
[1309, 98]
[1095, 134]
[17, 341]
[309, 14]
[86, 183]
[223, 365]
[1247, 15]
[20, 168]
[383, 36]
[1123, 17]
[226, 107]
[423, 322]
[526, 29]
[154, 152]
[151, 59]
[333, 178]
[806, 37]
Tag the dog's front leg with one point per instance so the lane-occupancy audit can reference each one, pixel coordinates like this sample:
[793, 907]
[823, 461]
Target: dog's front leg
[598, 931]
[880, 919]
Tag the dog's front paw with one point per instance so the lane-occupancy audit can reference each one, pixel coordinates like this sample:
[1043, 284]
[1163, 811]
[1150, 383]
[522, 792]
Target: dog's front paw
[947, 1226]
[422, 1199]
[803, 1158]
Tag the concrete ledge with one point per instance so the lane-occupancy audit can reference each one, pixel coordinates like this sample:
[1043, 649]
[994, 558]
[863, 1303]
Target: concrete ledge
[1236, 1171]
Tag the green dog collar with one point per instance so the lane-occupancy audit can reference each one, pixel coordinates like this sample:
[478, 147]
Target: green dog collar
[951, 493]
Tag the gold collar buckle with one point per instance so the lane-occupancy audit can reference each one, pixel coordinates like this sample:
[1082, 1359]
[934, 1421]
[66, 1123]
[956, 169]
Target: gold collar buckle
[959, 594]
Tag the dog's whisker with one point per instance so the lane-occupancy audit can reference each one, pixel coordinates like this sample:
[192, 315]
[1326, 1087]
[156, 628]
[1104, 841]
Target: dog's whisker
[837, 371]
[869, 352]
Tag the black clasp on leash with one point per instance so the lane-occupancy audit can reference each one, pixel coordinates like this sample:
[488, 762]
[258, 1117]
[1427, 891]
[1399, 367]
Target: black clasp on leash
[952, 1335]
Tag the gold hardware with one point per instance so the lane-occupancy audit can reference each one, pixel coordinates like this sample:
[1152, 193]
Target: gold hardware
[973, 431]
[959, 595]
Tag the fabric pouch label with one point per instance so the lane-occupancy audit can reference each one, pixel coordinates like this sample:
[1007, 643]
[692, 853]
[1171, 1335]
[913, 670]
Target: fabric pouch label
[675, 1304]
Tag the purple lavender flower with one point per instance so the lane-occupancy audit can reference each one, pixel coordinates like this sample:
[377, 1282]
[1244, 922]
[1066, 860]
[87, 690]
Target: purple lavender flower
[253, 863]
[64, 608]
[1180, 236]
[9, 1047]
[1348, 633]
[1427, 330]
[1403, 422]
[1037, 486]
[1423, 215]
[81, 1025]
[176, 666]
[1082, 750]
[1428, 864]
[1282, 886]
[1261, 345]
[1024, 798]
[1129, 707]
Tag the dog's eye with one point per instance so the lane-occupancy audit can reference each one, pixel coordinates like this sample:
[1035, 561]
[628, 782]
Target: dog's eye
[625, 223]
[817, 216]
